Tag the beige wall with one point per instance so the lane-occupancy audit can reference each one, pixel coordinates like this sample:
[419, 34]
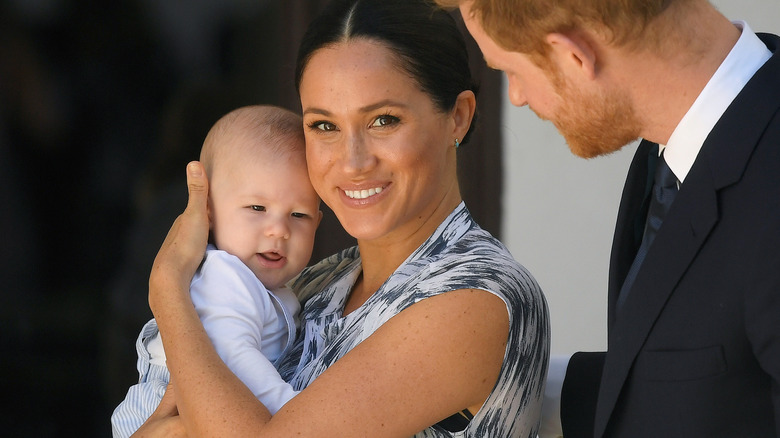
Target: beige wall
[559, 211]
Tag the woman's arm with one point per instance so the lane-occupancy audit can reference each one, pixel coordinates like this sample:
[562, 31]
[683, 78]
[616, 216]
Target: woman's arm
[206, 389]
[437, 357]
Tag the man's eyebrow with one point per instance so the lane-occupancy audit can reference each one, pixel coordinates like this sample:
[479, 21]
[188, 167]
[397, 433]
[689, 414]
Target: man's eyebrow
[488, 63]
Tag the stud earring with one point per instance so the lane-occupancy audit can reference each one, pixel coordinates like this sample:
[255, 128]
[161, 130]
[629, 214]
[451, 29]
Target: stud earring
[457, 143]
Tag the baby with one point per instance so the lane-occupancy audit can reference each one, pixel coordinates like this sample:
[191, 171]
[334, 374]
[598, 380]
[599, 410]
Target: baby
[263, 213]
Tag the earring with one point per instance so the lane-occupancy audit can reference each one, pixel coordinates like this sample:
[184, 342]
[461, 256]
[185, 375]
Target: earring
[457, 143]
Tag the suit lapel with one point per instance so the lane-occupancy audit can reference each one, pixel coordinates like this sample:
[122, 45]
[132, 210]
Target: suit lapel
[630, 220]
[720, 163]
[689, 222]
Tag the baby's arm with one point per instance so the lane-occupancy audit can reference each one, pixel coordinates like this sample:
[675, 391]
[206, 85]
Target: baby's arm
[243, 324]
[144, 397]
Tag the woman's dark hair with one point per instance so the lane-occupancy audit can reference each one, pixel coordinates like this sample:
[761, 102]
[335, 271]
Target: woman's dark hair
[425, 38]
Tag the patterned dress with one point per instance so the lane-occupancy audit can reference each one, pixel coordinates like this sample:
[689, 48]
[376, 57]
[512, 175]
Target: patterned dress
[458, 255]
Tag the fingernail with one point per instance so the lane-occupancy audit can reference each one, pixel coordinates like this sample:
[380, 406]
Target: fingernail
[194, 169]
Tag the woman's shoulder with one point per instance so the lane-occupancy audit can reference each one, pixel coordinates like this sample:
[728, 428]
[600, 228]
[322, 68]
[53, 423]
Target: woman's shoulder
[462, 255]
[477, 254]
[312, 278]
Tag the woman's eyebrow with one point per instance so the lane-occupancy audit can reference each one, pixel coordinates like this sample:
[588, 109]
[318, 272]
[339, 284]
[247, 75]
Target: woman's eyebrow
[315, 110]
[365, 109]
[382, 103]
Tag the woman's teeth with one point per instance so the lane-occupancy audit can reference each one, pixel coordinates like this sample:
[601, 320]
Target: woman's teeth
[362, 194]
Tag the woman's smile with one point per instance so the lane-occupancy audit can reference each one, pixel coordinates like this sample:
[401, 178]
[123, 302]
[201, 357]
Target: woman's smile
[362, 194]
[378, 140]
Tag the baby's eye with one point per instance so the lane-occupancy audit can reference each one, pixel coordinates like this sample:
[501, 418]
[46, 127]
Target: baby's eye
[257, 207]
[385, 120]
[300, 215]
[322, 126]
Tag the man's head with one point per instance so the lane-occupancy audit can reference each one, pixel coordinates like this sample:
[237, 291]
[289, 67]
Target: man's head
[560, 86]
[522, 25]
[599, 69]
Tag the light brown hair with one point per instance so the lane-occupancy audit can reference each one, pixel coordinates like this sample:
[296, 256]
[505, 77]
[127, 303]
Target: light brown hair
[269, 129]
[522, 25]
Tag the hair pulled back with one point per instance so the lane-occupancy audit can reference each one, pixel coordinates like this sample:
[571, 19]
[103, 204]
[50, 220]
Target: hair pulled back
[425, 38]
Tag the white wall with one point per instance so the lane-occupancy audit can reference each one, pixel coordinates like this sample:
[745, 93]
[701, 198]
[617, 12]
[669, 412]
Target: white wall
[559, 210]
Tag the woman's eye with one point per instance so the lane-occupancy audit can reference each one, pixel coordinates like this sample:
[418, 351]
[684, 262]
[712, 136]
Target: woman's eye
[322, 126]
[385, 120]
[257, 207]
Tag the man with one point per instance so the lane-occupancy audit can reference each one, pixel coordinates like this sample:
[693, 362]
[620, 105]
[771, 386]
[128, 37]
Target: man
[694, 282]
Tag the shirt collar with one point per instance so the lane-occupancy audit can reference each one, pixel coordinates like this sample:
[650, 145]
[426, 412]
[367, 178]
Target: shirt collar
[742, 62]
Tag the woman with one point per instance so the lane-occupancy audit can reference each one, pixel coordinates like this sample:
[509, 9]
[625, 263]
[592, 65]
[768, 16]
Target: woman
[427, 326]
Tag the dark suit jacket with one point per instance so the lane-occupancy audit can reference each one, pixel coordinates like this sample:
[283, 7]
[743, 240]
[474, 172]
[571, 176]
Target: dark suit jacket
[695, 349]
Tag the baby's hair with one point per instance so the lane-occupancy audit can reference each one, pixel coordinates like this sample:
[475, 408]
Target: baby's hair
[254, 131]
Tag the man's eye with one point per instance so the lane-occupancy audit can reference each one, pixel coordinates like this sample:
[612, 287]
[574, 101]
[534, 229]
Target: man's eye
[257, 207]
[385, 120]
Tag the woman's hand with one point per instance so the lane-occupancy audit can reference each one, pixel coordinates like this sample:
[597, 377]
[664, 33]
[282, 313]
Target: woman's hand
[185, 244]
[164, 421]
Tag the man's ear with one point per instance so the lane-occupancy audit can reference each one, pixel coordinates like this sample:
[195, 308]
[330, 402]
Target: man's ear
[573, 53]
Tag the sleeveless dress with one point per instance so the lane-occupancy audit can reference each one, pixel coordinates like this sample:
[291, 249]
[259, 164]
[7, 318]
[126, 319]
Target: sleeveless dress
[458, 255]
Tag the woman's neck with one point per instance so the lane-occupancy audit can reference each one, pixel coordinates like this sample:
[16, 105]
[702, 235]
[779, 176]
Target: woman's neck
[381, 257]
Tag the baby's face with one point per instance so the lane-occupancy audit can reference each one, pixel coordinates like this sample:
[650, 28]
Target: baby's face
[266, 215]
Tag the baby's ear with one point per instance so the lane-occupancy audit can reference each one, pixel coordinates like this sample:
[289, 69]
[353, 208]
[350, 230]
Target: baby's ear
[211, 222]
[208, 212]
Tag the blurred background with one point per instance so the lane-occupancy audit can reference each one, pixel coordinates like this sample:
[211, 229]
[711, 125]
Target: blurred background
[102, 104]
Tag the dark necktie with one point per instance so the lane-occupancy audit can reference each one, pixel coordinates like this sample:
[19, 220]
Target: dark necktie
[664, 191]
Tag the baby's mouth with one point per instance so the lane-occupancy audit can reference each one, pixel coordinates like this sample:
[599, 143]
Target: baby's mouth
[271, 256]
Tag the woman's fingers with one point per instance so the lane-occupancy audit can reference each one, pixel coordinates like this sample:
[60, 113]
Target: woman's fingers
[197, 186]
[194, 220]
[164, 421]
[167, 407]
[184, 246]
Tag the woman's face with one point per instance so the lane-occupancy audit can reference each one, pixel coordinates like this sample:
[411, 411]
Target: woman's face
[380, 153]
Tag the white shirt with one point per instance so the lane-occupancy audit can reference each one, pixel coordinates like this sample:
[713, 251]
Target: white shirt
[250, 327]
[744, 60]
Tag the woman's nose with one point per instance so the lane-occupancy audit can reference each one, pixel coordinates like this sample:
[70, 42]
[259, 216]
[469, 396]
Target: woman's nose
[357, 156]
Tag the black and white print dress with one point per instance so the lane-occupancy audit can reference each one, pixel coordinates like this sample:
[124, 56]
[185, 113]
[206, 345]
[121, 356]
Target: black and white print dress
[458, 255]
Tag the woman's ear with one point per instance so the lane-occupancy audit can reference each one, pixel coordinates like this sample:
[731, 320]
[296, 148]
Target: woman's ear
[463, 113]
[573, 53]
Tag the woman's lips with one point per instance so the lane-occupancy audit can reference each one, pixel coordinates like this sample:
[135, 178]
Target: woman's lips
[363, 194]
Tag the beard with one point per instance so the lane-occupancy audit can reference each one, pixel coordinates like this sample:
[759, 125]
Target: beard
[594, 124]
